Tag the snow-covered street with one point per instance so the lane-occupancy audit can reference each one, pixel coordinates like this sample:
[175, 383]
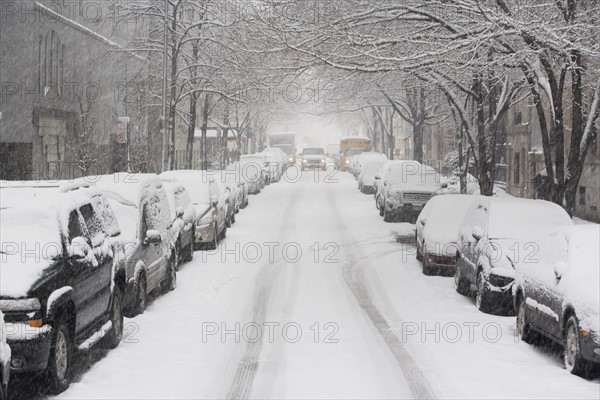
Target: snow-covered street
[311, 295]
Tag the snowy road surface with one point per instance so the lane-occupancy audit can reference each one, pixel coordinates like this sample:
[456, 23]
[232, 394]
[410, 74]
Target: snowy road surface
[312, 295]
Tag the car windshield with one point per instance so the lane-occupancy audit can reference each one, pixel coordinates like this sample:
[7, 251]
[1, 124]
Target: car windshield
[353, 152]
[313, 152]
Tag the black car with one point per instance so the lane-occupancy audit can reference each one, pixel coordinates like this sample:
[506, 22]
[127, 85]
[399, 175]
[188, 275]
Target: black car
[497, 233]
[558, 296]
[62, 281]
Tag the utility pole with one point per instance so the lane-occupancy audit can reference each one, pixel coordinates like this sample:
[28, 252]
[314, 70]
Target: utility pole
[165, 124]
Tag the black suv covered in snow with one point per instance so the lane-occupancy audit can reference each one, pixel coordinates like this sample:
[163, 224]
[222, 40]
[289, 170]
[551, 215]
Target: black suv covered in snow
[61, 279]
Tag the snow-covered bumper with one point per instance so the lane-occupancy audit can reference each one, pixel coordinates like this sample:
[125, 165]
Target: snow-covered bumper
[30, 347]
[442, 262]
[500, 284]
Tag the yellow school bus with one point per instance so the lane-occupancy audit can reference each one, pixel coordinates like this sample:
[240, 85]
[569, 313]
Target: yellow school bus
[350, 146]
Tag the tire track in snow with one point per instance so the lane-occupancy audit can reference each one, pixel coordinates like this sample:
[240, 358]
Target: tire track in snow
[243, 379]
[354, 276]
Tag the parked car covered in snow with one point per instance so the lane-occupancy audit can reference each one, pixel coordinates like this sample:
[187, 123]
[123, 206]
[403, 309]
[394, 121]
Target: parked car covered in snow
[498, 232]
[62, 277]
[183, 215]
[407, 187]
[249, 173]
[437, 232]
[366, 157]
[237, 187]
[210, 205]
[557, 295]
[275, 162]
[366, 178]
[143, 211]
[251, 160]
[5, 355]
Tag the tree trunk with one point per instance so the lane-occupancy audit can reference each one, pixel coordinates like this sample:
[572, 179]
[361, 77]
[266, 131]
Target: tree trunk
[189, 149]
[204, 160]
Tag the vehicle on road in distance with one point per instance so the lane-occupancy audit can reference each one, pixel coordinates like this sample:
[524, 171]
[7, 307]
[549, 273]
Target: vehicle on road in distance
[70, 298]
[313, 157]
[144, 214]
[558, 296]
[436, 232]
[350, 146]
[498, 232]
[210, 205]
[286, 141]
[407, 187]
[5, 356]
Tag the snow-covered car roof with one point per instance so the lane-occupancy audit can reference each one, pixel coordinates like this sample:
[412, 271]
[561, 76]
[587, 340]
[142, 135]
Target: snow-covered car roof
[445, 213]
[197, 183]
[518, 218]
[126, 187]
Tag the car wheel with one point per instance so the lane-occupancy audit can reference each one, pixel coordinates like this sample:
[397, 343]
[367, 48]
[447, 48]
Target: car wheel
[387, 215]
[461, 285]
[214, 243]
[574, 362]
[141, 295]
[482, 294]
[523, 329]
[419, 256]
[189, 256]
[426, 268]
[233, 218]
[59, 363]
[114, 336]
[170, 282]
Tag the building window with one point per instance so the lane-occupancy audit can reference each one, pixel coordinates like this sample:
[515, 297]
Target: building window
[517, 164]
[518, 118]
[582, 195]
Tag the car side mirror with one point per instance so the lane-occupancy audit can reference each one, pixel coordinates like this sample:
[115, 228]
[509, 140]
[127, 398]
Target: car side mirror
[377, 177]
[423, 220]
[152, 237]
[444, 185]
[477, 233]
[214, 201]
[80, 250]
[179, 212]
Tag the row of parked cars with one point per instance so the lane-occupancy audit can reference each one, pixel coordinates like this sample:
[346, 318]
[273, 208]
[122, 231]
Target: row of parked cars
[514, 256]
[523, 257]
[77, 256]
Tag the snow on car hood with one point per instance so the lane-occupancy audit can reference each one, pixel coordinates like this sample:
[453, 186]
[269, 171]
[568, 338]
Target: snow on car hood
[31, 241]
